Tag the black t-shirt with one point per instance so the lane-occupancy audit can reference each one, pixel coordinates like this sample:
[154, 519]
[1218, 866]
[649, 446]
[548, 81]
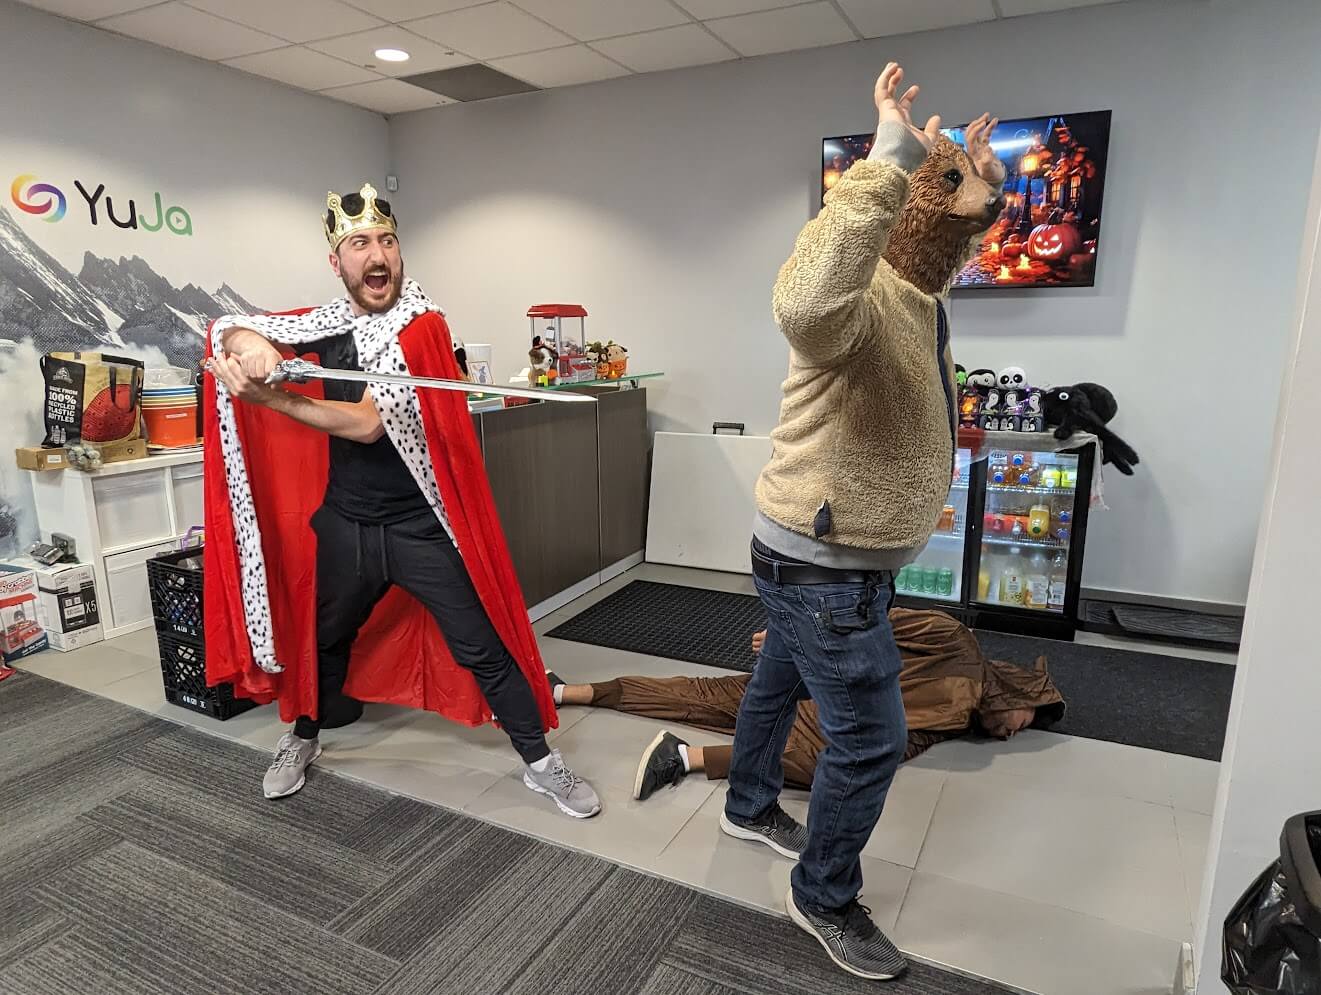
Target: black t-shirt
[369, 482]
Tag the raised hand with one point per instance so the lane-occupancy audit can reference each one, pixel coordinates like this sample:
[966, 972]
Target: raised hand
[977, 140]
[900, 109]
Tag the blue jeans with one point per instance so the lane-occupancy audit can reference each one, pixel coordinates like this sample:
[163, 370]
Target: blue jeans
[832, 643]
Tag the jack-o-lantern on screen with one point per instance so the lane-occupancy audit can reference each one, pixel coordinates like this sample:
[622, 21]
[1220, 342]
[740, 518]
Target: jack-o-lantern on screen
[1054, 242]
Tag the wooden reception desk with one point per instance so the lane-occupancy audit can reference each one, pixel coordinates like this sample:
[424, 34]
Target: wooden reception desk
[570, 484]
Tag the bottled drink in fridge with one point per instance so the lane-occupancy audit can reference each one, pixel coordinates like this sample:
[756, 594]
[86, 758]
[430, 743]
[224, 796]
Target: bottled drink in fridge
[1059, 579]
[1036, 590]
[1011, 579]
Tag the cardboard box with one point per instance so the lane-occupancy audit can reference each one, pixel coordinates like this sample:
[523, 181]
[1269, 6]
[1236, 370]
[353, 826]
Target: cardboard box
[67, 605]
[36, 458]
[21, 631]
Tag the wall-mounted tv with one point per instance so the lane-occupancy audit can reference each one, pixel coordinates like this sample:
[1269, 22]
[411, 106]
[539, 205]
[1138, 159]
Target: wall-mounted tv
[1051, 225]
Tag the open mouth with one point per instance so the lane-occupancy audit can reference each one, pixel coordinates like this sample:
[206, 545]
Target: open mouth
[377, 281]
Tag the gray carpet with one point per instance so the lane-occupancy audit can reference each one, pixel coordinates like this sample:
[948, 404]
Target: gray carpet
[137, 856]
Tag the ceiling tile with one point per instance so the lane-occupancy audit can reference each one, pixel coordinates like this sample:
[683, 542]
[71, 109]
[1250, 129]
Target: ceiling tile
[705, 10]
[389, 96]
[294, 20]
[425, 55]
[808, 26]
[302, 67]
[408, 10]
[176, 25]
[489, 31]
[669, 48]
[896, 17]
[588, 20]
[560, 66]
[1013, 8]
[89, 10]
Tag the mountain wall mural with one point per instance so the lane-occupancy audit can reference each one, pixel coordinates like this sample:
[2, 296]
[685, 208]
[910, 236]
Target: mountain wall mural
[107, 305]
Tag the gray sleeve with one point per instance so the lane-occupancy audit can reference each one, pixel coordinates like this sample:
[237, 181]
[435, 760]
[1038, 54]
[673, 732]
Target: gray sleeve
[895, 143]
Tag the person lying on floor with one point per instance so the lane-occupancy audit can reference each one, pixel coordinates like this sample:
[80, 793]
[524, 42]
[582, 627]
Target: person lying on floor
[949, 688]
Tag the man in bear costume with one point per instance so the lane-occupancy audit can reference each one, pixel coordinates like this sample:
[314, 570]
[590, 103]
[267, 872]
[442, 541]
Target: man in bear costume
[860, 468]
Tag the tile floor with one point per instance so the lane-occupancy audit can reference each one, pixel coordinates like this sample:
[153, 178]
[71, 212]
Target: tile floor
[1056, 865]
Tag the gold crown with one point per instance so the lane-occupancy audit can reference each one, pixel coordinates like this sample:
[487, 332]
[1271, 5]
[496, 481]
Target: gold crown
[371, 216]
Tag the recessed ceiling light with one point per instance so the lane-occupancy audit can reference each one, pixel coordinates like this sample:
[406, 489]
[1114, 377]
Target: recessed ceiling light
[392, 54]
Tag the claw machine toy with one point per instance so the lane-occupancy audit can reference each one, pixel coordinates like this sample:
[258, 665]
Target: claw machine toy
[566, 345]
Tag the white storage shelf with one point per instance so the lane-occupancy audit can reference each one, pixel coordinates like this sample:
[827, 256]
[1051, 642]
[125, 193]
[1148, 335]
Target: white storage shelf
[121, 516]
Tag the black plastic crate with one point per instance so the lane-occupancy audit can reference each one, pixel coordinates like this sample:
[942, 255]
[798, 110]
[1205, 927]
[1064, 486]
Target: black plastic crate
[183, 667]
[176, 596]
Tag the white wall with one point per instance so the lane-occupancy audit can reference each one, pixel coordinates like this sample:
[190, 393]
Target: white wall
[1272, 761]
[249, 160]
[666, 203]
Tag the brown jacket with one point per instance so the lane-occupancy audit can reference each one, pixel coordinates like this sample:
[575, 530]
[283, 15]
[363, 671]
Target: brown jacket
[866, 424]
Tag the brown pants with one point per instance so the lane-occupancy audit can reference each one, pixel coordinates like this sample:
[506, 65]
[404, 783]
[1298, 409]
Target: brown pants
[711, 703]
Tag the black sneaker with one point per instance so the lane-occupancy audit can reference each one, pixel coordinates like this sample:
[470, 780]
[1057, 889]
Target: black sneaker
[660, 765]
[851, 939]
[776, 828]
[556, 681]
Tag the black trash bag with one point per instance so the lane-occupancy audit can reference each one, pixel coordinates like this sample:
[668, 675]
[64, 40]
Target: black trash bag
[1272, 939]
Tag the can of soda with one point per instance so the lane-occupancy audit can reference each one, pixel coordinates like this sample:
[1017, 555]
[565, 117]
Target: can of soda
[930, 580]
[945, 582]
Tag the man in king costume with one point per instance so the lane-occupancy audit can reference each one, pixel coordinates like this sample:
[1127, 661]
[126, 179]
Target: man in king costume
[354, 552]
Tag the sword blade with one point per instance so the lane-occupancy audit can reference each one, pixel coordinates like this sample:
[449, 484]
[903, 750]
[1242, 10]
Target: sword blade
[300, 371]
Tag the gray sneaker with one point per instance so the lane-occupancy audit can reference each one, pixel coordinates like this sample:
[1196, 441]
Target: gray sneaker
[776, 828]
[851, 938]
[288, 770]
[572, 794]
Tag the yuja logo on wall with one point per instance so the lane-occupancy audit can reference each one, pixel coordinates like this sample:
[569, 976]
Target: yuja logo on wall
[48, 202]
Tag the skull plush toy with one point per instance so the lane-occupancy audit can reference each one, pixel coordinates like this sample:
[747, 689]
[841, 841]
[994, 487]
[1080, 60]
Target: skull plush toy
[1012, 378]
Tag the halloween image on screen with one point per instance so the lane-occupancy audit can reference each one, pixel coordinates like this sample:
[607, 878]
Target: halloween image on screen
[1051, 225]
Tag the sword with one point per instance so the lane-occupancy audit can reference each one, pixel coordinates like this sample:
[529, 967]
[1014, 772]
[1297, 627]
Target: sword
[301, 371]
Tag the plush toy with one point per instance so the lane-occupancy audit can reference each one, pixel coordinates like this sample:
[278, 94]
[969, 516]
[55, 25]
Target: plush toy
[617, 356]
[960, 376]
[545, 362]
[981, 381]
[1088, 407]
[1012, 378]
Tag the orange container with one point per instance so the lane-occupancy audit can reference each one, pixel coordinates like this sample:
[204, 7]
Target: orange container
[171, 425]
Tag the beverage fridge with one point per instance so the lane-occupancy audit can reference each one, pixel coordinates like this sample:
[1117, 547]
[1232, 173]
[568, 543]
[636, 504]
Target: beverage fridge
[1007, 552]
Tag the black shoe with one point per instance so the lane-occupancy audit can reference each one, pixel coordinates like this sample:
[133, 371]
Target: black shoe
[851, 939]
[660, 765]
[555, 681]
[776, 828]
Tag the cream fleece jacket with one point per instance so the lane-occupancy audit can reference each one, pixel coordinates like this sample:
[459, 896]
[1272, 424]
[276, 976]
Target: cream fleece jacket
[861, 458]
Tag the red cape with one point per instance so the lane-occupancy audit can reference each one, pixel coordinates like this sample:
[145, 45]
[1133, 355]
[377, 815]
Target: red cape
[400, 656]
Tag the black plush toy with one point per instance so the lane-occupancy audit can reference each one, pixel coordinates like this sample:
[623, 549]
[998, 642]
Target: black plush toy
[1087, 407]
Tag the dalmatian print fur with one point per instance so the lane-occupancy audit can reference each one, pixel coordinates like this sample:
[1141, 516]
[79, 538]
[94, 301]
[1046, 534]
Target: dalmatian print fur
[377, 339]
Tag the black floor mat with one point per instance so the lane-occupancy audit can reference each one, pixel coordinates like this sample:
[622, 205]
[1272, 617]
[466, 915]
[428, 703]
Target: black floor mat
[680, 623]
[1121, 696]
[1168, 623]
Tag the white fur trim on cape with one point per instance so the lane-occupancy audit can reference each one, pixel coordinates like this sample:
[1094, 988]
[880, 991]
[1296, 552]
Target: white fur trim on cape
[377, 339]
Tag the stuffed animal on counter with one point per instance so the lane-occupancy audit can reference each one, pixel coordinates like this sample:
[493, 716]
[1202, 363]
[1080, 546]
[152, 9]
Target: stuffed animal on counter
[617, 356]
[545, 362]
[1088, 407]
[981, 381]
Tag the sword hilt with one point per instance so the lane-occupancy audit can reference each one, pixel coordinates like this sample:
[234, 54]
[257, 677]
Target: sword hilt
[292, 371]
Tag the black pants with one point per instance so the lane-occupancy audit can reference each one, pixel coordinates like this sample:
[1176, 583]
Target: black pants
[356, 566]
